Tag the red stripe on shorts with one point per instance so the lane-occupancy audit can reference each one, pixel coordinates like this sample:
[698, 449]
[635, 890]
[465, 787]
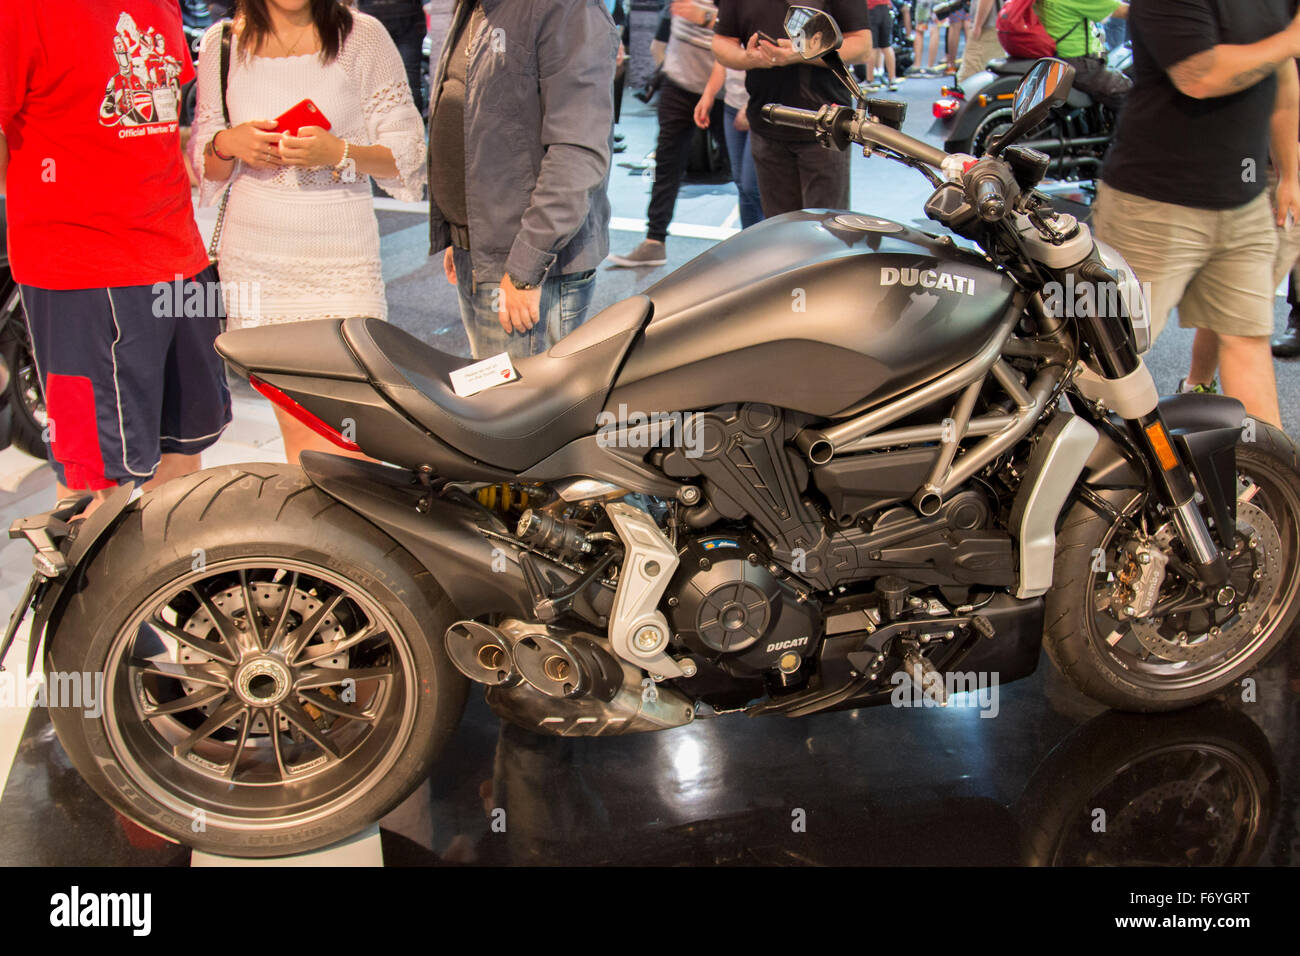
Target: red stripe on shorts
[74, 431]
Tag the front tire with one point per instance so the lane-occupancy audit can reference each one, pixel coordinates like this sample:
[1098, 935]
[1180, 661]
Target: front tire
[273, 672]
[1174, 660]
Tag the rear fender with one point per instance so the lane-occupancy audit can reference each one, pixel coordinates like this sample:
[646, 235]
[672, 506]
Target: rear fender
[51, 594]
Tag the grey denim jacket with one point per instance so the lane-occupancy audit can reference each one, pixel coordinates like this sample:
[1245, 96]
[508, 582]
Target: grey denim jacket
[539, 120]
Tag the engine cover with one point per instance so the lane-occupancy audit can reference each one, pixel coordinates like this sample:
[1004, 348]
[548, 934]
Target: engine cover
[725, 605]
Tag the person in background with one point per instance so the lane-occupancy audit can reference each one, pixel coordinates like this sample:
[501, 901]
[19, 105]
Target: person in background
[688, 63]
[982, 45]
[922, 14]
[102, 240]
[1183, 191]
[957, 23]
[519, 166]
[1076, 27]
[880, 22]
[794, 172]
[300, 225]
[1285, 266]
[405, 23]
[736, 127]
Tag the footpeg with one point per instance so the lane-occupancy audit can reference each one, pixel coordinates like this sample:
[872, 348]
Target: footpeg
[925, 677]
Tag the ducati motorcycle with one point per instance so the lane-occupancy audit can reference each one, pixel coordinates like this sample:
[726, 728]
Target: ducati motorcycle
[831, 457]
[1075, 135]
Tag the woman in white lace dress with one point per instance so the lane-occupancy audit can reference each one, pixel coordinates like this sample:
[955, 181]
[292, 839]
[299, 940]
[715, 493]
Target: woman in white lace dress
[300, 238]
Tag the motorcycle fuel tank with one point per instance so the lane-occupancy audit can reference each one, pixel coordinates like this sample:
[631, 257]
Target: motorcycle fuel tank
[817, 311]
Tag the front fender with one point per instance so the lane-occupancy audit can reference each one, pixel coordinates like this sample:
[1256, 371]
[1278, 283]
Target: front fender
[1206, 429]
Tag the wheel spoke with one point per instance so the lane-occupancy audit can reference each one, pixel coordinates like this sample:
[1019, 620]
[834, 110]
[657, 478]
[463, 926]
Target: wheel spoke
[328, 705]
[225, 625]
[343, 644]
[189, 702]
[244, 728]
[329, 676]
[297, 639]
[251, 618]
[302, 720]
[276, 638]
[219, 652]
[219, 718]
[191, 672]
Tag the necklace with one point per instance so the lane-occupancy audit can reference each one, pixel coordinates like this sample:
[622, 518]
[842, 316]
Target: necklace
[289, 51]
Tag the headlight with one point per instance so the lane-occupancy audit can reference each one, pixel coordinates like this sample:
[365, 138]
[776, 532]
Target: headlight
[1132, 296]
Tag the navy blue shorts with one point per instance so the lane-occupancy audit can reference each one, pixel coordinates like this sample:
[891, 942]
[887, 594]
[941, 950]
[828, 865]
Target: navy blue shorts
[129, 375]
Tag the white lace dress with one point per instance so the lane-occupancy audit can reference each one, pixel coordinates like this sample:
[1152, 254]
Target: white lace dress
[298, 244]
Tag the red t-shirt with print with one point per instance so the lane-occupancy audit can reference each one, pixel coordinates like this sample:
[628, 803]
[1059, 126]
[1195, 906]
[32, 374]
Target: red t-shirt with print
[97, 193]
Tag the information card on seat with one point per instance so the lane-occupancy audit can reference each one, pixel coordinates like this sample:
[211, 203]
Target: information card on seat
[496, 370]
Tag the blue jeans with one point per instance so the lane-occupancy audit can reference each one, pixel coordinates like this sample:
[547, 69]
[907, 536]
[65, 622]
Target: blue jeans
[565, 303]
[742, 170]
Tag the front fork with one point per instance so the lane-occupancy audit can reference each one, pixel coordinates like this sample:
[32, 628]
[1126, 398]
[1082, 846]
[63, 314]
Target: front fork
[1116, 357]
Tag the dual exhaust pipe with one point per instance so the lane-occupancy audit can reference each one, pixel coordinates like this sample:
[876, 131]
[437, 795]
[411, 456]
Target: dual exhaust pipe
[556, 663]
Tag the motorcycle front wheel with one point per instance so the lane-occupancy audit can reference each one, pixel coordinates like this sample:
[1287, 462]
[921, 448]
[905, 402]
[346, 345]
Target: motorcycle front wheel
[1191, 645]
[273, 678]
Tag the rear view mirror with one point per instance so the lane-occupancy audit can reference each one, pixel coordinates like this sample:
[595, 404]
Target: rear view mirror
[813, 33]
[1045, 86]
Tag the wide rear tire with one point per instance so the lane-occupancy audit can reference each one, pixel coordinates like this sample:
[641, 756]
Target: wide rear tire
[273, 671]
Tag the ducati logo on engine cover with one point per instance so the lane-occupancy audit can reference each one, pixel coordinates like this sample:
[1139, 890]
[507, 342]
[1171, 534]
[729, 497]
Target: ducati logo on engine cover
[927, 279]
[786, 645]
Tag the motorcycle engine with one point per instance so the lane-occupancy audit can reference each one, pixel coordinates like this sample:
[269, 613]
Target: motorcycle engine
[726, 606]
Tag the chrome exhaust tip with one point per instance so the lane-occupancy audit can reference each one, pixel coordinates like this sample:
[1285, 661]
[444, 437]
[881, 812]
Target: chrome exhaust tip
[481, 653]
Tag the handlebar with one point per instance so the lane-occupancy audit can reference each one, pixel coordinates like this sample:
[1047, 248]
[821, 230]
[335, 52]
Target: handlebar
[855, 128]
[990, 199]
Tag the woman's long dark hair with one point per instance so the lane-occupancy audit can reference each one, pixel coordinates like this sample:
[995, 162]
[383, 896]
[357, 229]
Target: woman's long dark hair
[333, 22]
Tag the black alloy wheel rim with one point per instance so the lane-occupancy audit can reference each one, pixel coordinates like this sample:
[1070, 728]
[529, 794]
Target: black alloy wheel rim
[1122, 651]
[262, 692]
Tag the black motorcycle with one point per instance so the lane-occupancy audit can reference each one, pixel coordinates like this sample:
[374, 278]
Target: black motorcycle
[1075, 135]
[828, 459]
[22, 403]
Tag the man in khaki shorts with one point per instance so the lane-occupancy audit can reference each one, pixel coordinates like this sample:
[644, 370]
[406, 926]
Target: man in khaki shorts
[1184, 196]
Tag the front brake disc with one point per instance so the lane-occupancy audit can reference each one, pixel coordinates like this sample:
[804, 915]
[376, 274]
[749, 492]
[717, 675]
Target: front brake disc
[1253, 525]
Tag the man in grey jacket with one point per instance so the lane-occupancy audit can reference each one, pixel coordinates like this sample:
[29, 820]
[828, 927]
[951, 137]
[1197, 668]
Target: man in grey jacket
[519, 153]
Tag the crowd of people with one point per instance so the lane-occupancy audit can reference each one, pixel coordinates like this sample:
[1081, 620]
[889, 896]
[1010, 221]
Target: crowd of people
[302, 105]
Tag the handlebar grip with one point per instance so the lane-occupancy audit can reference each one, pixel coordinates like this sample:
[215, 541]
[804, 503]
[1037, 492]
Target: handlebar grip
[990, 199]
[779, 115]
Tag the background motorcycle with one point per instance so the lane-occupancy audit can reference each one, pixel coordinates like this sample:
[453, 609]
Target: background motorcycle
[1076, 135]
[196, 17]
[915, 462]
[22, 404]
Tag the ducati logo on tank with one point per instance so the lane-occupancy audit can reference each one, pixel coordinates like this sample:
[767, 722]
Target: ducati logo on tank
[927, 279]
[146, 88]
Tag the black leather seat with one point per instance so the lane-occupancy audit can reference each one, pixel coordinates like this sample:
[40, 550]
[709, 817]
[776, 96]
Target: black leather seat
[555, 399]
[1010, 66]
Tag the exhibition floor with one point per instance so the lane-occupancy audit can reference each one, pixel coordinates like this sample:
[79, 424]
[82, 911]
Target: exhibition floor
[1022, 780]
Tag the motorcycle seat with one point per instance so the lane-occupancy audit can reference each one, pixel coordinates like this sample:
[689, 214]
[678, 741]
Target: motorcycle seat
[1010, 66]
[555, 399]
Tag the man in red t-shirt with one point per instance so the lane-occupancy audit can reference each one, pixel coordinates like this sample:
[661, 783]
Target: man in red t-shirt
[120, 298]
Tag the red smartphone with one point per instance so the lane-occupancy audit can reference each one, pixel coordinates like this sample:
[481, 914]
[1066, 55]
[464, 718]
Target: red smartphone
[303, 114]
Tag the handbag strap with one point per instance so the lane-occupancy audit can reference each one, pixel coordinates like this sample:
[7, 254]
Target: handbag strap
[225, 69]
[215, 245]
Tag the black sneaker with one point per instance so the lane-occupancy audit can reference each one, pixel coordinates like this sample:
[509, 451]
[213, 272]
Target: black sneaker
[1287, 345]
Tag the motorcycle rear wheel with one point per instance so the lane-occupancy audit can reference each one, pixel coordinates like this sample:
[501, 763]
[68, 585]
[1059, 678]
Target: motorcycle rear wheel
[273, 673]
[1174, 660]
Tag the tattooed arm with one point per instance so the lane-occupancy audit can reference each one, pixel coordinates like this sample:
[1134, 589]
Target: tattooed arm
[1229, 68]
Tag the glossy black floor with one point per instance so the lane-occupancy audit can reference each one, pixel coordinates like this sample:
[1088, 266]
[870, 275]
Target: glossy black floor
[1050, 779]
